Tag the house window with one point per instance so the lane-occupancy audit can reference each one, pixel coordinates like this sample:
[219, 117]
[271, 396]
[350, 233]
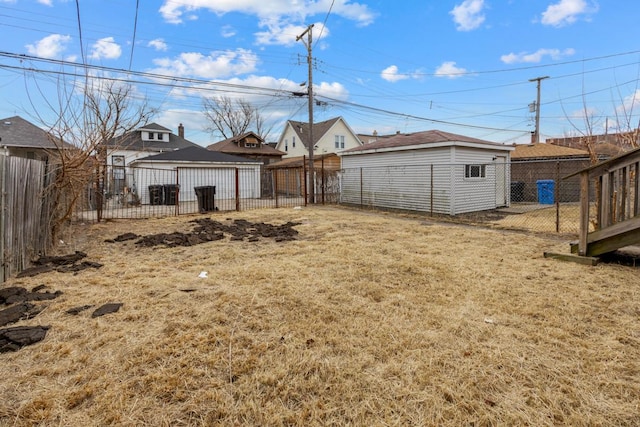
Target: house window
[151, 135]
[339, 141]
[293, 142]
[160, 137]
[286, 145]
[31, 155]
[474, 171]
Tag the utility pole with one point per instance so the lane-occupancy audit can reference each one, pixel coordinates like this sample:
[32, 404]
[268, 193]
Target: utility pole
[308, 44]
[536, 136]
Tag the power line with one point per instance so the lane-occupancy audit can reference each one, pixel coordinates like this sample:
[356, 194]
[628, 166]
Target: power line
[135, 26]
[84, 60]
[325, 22]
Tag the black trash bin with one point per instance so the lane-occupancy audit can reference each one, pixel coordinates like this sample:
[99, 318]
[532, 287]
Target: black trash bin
[171, 194]
[206, 198]
[156, 194]
[517, 191]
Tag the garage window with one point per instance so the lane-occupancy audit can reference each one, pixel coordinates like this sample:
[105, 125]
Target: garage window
[475, 171]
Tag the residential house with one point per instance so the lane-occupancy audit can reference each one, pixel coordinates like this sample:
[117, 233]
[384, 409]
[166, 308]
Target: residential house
[432, 171]
[20, 138]
[147, 140]
[249, 145]
[330, 136]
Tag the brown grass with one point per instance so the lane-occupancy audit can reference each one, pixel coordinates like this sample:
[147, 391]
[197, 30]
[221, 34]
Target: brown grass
[366, 319]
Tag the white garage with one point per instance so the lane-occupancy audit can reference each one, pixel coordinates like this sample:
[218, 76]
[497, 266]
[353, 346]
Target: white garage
[431, 171]
[192, 167]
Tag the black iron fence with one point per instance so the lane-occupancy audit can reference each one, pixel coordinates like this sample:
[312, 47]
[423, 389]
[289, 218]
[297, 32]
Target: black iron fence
[128, 192]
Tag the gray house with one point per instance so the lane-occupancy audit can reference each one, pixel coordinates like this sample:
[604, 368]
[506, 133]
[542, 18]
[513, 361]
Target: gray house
[20, 138]
[431, 171]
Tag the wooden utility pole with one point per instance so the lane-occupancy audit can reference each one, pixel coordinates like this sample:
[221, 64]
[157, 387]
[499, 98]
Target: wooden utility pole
[536, 136]
[308, 44]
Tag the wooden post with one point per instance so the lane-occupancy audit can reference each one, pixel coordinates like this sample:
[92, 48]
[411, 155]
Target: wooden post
[584, 213]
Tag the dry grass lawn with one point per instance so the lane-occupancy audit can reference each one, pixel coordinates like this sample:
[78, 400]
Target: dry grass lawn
[367, 319]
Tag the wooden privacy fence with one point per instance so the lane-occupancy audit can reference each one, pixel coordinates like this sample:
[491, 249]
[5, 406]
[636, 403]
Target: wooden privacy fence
[23, 223]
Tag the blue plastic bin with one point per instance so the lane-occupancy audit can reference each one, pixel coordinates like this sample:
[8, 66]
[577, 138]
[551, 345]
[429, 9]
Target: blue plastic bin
[546, 191]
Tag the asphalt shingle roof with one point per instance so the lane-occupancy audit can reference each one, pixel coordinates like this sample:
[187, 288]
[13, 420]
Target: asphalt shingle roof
[197, 154]
[418, 138]
[133, 141]
[17, 132]
[540, 150]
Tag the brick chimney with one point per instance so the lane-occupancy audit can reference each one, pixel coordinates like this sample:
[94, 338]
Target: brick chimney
[181, 131]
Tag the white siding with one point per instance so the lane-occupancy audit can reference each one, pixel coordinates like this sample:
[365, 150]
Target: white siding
[399, 180]
[189, 177]
[474, 194]
[405, 179]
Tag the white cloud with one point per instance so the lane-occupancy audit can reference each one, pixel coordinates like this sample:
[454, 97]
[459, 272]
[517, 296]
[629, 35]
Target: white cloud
[279, 18]
[105, 48]
[158, 44]
[391, 74]
[216, 65]
[468, 15]
[46, 2]
[449, 70]
[566, 12]
[227, 31]
[279, 33]
[49, 47]
[173, 11]
[630, 104]
[537, 56]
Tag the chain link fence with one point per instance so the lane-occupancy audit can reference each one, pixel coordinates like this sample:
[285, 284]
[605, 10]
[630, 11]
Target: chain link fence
[529, 195]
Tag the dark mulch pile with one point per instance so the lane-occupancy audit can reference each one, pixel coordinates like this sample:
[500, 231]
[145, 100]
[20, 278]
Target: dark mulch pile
[71, 263]
[208, 230]
[13, 339]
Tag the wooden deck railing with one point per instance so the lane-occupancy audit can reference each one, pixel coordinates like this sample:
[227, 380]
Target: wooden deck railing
[617, 190]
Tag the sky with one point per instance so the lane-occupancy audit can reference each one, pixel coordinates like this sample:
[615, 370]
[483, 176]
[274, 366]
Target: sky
[469, 67]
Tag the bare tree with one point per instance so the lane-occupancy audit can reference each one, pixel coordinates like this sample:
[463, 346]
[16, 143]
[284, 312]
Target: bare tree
[86, 117]
[232, 117]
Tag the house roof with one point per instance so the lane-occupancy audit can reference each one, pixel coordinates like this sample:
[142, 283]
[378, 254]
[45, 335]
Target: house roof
[195, 154]
[154, 126]
[133, 140]
[231, 146]
[319, 129]
[542, 150]
[402, 140]
[17, 132]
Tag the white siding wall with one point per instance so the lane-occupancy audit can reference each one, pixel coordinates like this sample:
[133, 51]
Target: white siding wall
[189, 177]
[474, 194]
[399, 180]
[326, 144]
